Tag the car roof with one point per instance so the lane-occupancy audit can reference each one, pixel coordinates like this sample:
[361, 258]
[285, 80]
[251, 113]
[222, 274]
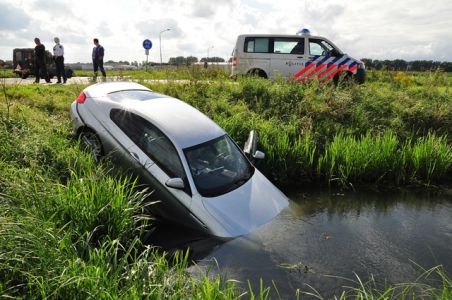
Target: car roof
[183, 124]
[104, 88]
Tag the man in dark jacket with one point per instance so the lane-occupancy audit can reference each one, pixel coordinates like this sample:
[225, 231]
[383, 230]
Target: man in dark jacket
[98, 58]
[40, 62]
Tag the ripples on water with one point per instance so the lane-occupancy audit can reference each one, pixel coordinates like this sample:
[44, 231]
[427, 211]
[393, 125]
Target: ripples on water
[321, 237]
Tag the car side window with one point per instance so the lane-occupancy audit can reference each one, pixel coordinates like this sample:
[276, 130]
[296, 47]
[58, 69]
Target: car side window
[150, 140]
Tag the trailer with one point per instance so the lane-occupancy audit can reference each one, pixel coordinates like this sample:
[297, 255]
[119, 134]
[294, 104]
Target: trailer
[24, 63]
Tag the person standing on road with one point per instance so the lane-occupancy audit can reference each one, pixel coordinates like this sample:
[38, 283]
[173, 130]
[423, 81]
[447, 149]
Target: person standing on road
[40, 62]
[58, 56]
[98, 59]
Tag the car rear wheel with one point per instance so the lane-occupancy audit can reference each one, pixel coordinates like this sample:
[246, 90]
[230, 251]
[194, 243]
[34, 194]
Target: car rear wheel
[90, 142]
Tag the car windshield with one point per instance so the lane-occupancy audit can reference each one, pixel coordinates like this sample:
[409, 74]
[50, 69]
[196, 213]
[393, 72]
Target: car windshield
[218, 166]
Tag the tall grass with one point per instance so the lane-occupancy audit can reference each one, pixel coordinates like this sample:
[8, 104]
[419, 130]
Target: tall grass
[431, 157]
[327, 135]
[72, 229]
[349, 159]
[433, 283]
[167, 73]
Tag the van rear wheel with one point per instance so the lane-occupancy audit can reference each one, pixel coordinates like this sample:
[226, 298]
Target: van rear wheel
[258, 73]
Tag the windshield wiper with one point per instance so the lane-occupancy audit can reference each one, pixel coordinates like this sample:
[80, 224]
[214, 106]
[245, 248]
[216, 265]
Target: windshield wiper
[242, 180]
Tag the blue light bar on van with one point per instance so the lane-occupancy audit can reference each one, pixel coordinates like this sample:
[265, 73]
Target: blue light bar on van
[304, 31]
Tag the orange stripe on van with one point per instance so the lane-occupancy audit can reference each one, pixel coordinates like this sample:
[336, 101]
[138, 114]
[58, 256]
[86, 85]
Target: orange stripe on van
[302, 71]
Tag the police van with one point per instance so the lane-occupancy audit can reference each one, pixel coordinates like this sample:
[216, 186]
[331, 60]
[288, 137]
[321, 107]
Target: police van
[297, 57]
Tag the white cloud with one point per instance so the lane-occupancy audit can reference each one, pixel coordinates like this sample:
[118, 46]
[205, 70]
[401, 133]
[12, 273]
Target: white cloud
[380, 29]
[12, 18]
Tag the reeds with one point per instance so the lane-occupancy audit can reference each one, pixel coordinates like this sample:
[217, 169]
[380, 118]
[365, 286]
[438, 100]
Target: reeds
[71, 229]
[433, 283]
[313, 133]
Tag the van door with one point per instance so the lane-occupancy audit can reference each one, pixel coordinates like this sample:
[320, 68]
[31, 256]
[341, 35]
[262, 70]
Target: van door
[323, 60]
[288, 56]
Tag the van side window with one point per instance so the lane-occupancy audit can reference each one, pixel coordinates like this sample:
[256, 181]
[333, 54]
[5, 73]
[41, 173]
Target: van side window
[257, 45]
[288, 46]
[320, 47]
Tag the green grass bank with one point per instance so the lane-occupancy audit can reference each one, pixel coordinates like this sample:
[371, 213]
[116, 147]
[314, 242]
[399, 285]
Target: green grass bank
[72, 229]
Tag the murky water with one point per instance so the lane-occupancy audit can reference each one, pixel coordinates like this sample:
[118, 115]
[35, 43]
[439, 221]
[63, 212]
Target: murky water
[322, 237]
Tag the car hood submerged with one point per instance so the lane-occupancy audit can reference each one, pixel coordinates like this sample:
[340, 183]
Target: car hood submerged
[241, 211]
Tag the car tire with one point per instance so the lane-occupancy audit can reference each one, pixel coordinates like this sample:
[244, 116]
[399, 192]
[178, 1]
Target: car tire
[90, 141]
[69, 73]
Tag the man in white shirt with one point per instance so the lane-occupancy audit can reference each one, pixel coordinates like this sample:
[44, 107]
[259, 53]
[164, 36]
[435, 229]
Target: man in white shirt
[58, 56]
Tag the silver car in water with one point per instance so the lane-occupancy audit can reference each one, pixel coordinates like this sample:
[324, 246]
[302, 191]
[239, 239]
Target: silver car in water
[201, 177]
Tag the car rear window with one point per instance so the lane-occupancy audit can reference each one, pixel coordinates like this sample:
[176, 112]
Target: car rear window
[141, 95]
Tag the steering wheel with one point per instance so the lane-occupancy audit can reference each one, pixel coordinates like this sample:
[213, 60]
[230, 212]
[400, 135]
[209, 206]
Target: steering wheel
[220, 158]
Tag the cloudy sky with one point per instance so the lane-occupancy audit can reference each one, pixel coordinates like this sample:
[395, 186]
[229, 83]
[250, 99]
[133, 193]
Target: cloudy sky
[379, 29]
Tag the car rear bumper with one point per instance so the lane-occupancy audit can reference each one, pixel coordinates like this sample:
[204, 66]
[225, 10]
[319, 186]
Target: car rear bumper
[77, 121]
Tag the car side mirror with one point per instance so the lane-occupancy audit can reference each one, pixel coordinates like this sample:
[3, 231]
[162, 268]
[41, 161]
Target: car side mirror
[175, 183]
[251, 143]
[250, 147]
[259, 155]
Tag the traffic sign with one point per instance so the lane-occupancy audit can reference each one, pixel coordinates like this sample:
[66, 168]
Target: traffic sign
[147, 44]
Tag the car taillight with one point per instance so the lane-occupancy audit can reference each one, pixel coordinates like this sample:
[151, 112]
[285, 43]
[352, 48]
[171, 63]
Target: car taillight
[234, 61]
[81, 98]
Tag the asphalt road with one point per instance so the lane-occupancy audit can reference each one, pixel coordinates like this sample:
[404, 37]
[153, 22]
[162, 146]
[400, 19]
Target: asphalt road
[82, 80]
[31, 80]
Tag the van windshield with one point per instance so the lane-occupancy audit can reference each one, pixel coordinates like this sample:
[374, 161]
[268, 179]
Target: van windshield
[218, 166]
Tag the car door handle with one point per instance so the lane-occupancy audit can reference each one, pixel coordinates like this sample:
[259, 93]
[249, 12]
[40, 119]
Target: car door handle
[135, 156]
[299, 56]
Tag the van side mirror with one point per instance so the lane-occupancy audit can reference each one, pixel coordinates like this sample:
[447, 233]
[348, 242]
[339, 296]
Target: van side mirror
[175, 183]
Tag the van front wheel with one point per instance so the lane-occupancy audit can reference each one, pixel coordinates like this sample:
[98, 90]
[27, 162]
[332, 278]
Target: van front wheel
[343, 79]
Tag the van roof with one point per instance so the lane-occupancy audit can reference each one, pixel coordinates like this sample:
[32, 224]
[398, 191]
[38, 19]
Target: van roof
[281, 35]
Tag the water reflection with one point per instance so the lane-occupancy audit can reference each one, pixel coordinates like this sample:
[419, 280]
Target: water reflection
[322, 234]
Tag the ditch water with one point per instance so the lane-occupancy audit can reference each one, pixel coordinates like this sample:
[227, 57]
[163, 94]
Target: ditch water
[322, 238]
